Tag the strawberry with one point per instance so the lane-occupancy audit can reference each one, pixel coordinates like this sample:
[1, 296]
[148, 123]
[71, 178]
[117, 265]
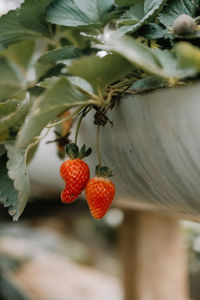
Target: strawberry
[75, 173]
[100, 192]
[70, 193]
[75, 170]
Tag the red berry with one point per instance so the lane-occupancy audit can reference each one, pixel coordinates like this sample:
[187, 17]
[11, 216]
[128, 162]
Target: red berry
[100, 193]
[76, 174]
[69, 196]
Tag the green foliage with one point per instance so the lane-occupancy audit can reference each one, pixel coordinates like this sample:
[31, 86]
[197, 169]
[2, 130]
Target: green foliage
[139, 55]
[11, 79]
[78, 82]
[175, 8]
[140, 14]
[188, 57]
[51, 61]
[153, 31]
[19, 72]
[81, 84]
[32, 15]
[62, 55]
[11, 123]
[132, 16]
[12, 31]
[146, 84]
[17, 171]
[128, 2]
[166, 65]
[8, 193]
[14, 54]
[168, 62]
[78, 12]
[59, 97]
[27, 22]
[107, 69]
[8, 106]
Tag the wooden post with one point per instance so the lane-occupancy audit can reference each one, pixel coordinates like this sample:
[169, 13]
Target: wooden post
[154, 258]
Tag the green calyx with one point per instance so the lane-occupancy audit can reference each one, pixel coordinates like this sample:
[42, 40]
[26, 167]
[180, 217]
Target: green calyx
[103, 171]
[73, 151]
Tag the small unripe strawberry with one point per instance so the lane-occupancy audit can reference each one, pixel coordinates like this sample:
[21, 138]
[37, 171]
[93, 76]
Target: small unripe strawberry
[184, 25]
[100, 192]
[75, 173]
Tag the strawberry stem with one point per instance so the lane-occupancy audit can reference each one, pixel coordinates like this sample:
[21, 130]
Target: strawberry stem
[98, 147]
[67, 118]
[77, 128]
[83, 113]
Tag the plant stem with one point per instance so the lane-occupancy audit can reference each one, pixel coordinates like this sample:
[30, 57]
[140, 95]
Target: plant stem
[100, 97]
[98, 147]
[83, 114]
[78, 127]
[66, 118]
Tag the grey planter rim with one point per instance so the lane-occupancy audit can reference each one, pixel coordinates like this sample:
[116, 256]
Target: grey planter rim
[154, 146]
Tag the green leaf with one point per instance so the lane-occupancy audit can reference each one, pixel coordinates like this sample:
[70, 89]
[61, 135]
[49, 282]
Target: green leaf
[31, 153]
[17, 171]
[78, 12]
[32, 15]
[132, 16]
[81, 84]
[75, 37]
[147, 84]
[150, 12]
[59, 97]
[27, 22]
[19, 69]
[14, 119]
[170, 63]
[8, 193]
[140, 56]
[20, 54]
[61, 55]
[11, 79]
[12, 31]
[78, 82]
[175, 8]
[20, 60]
[160, 63]
[15, 64]
[8, 106]
[43, 70]
[100, 72]
[188, 57]
[94, 9]
[48, 82]
[153, 31]
[128, 2]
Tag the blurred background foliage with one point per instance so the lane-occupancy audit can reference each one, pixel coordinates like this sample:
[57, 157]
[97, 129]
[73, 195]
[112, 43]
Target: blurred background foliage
[59, 252]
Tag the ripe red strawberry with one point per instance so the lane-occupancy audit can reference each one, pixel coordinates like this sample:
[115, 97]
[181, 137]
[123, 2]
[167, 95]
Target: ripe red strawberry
[69, 195]
[76, 174]
[100, 192]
